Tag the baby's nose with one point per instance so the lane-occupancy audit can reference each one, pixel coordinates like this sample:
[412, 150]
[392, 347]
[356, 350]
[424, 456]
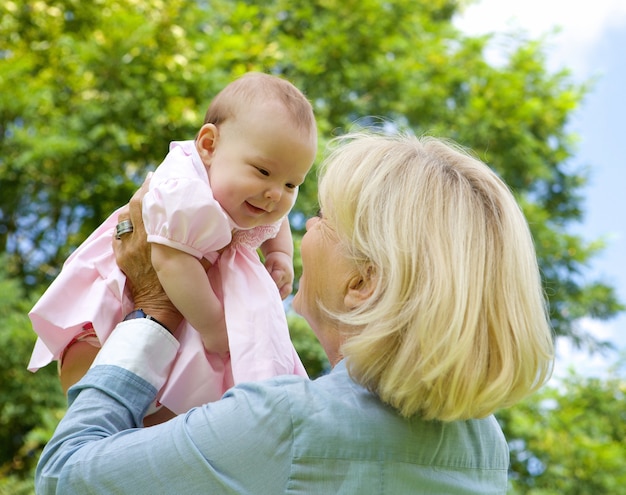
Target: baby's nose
[273, 193]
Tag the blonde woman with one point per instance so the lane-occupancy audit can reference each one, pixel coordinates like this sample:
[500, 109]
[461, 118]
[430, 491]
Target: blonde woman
[420, 281]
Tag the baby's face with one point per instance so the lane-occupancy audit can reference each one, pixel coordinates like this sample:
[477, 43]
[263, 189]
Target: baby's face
[259, 161]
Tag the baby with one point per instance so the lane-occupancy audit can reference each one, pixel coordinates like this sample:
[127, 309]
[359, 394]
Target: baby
[211, 204]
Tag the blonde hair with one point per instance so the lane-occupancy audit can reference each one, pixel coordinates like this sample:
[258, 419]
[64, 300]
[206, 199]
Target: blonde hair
[255, 88]
[457, 326]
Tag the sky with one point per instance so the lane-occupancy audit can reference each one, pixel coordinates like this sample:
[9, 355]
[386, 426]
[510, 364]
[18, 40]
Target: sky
[590, 40]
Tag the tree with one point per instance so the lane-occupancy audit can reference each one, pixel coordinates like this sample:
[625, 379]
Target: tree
[104, 86]
[309, 350]
[91, 93]
[569, 439]
[27, 401]
[101, 84]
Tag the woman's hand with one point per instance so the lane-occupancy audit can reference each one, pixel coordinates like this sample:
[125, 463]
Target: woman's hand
[132, 253]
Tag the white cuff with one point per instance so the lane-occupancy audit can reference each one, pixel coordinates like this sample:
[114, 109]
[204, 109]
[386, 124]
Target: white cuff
[142, 347]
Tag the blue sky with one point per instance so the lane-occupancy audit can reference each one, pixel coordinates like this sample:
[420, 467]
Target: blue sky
[591, 41]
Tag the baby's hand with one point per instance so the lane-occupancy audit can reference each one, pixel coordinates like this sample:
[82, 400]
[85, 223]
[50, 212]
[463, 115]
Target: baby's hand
[280, 267]
[214, 336]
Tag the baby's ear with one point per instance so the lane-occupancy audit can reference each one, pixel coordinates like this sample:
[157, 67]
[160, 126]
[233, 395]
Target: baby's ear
[206, 141]
[361, 288]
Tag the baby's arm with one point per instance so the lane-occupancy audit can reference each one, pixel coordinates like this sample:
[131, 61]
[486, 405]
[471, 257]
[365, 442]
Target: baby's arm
[278, 253]
[185, 282]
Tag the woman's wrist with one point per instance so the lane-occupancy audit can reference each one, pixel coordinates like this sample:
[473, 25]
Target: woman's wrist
[148, 295]
[140, 313]
[168, 318]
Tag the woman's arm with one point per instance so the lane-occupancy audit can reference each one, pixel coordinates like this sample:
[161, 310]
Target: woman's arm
[75, 362]
[240, 444]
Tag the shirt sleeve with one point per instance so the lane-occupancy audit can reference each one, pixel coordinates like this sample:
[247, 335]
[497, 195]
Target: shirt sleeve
[183, 214]
[142, 347]
[240, 444]
[112, 397]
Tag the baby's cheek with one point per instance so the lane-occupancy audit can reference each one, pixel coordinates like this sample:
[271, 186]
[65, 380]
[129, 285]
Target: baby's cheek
[289, 199]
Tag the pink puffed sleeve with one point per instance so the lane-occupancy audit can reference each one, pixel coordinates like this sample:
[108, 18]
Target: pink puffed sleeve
[182, 213]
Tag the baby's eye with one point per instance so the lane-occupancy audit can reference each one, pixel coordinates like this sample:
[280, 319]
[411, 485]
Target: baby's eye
[264, 172]
[291, 186]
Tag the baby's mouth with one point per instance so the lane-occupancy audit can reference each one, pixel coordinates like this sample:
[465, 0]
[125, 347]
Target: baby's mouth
[255, 209]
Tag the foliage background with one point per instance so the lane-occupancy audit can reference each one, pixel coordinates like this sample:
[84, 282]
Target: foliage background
[91, 93]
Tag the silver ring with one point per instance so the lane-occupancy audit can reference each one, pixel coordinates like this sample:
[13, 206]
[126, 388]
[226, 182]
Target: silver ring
[124, 227]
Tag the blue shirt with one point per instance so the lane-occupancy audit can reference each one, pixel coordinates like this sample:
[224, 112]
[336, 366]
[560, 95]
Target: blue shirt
[285, 435]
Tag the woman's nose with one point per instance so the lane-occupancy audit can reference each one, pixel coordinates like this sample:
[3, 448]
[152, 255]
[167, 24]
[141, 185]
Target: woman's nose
[310, 222]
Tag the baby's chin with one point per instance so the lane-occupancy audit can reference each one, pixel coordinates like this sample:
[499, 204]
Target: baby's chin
[251, 223]
[255, 217]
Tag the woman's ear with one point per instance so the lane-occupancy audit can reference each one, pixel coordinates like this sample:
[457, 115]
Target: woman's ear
[206, 141]
[361, 287]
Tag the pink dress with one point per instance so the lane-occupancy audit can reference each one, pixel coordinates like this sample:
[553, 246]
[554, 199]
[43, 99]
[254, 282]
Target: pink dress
[178, 211]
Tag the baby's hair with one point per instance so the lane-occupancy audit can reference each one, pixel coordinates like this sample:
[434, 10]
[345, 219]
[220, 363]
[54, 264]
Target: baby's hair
[258, 88]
